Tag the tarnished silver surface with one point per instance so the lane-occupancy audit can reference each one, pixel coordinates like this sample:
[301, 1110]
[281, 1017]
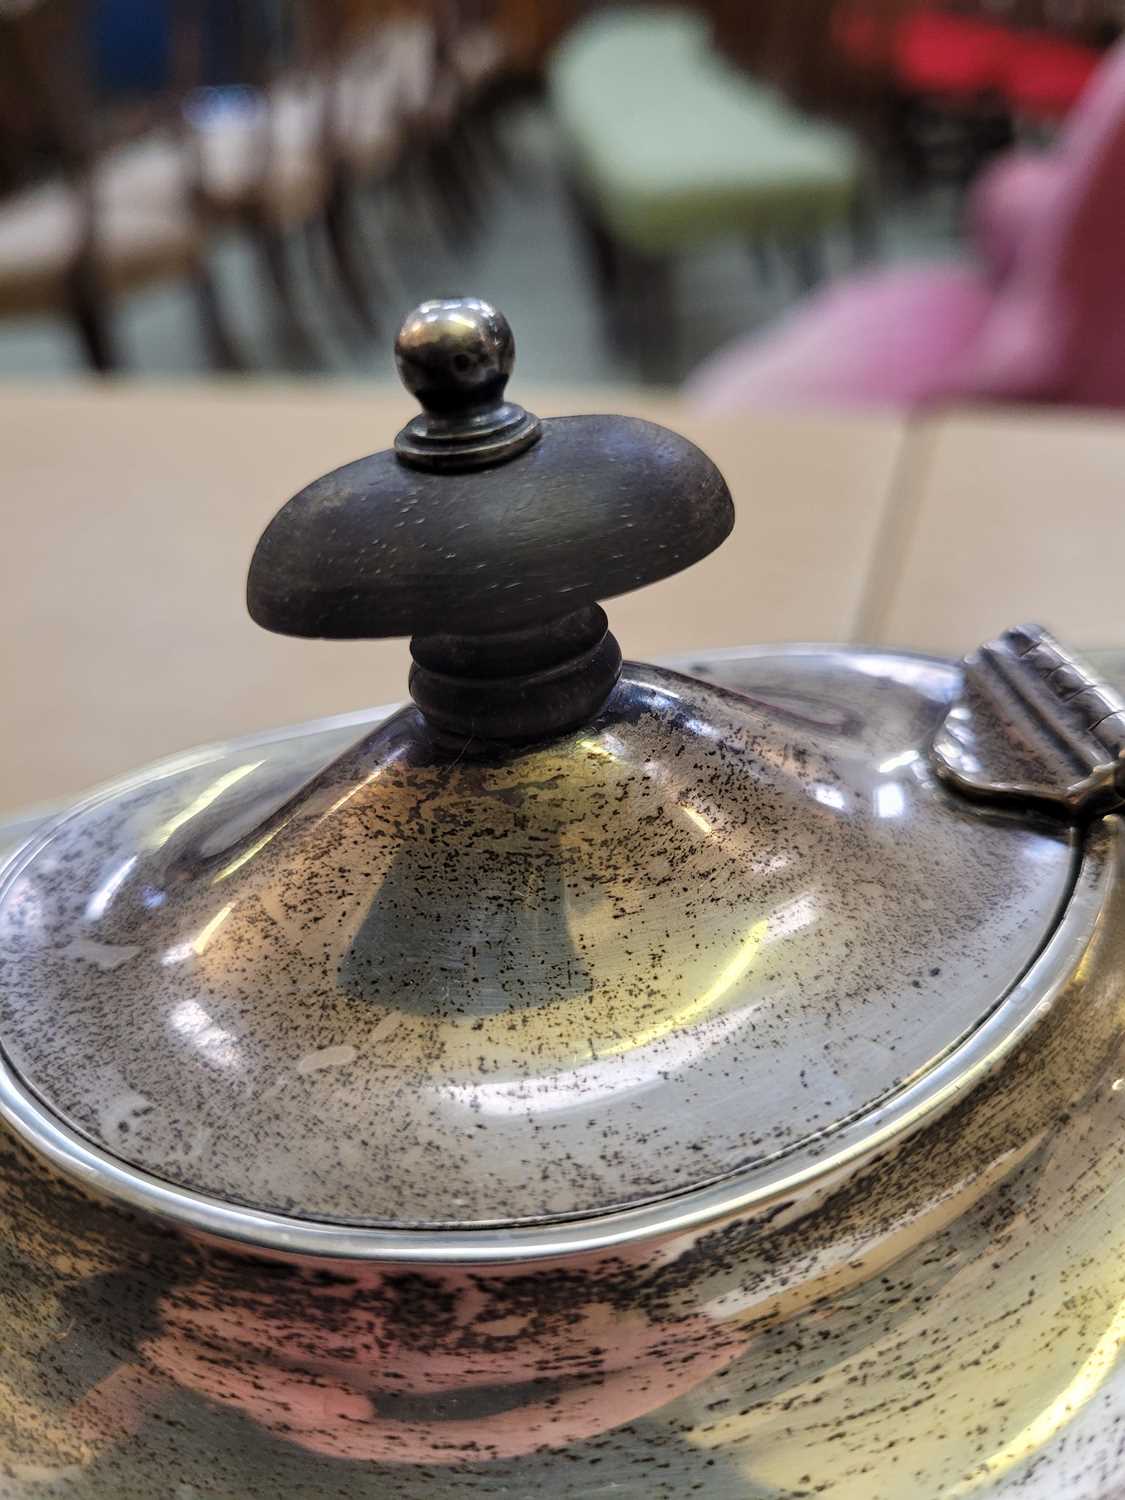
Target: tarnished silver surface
[704, 936]
[939, 1313]
[1033, 722]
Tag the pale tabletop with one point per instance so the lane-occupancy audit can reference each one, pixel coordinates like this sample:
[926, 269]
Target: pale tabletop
[1005, 517]
[130, 514]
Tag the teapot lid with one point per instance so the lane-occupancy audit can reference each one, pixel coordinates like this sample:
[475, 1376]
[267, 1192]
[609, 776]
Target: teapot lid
[562, 937]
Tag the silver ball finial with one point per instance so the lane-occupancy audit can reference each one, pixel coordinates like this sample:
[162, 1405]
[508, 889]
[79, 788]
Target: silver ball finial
[455, 353]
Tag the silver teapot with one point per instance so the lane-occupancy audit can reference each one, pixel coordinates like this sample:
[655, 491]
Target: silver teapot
[591, 1079]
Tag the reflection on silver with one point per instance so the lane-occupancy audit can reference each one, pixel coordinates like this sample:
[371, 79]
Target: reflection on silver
[99, 901]
[890, 800]
[899, 762]
[830, 796]
[195, 947]
[203, 799]
[218, 1046]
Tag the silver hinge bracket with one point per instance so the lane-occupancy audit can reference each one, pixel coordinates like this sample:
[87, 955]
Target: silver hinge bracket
[1034, 723]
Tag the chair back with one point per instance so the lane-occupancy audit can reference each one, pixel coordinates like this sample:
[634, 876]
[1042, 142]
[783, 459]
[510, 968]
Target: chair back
[47, 99]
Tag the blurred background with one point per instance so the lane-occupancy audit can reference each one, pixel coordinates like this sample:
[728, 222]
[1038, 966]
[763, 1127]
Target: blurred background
[868, 254]
[829, 198]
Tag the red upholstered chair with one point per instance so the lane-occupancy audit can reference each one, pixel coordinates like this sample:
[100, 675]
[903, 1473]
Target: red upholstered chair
[951, 56]
[1045, 76]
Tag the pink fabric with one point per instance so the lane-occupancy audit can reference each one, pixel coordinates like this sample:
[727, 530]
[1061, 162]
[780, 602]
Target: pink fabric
[1005, 201]
[1043, 320]
[892, 336]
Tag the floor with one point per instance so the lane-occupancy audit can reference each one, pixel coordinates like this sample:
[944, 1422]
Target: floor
[528, 258]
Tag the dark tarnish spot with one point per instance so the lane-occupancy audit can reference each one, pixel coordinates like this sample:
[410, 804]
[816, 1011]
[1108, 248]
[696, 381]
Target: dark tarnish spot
[473, 1403]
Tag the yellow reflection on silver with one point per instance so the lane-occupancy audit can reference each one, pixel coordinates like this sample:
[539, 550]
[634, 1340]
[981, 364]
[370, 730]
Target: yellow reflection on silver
[580, 1087]
[703, 824]
[208, 795]
[596, 748]
[259, 844]
[1087, 1382]
[730, 975]
[785, 920]
[198, 944]
[353, 791]
[899, 762]
[595, 1079]
[247, 854]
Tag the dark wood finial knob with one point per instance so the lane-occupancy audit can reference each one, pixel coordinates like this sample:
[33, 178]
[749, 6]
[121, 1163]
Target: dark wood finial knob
[489, 538]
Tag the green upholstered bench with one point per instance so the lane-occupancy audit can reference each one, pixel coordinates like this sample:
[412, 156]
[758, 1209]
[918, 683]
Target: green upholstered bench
[669, 147]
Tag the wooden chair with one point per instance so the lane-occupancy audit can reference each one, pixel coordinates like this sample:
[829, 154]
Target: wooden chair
[531, 32]
[104, 223]
[382, 75]
[261, 147]
[413, 100]
[322, 114]
[492, 72]
[439, 161]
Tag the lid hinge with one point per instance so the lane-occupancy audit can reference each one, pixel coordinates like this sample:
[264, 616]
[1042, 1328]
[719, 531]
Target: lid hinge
[1034, 723]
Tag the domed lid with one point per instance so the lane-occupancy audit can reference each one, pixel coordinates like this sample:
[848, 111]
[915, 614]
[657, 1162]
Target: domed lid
[561, 936]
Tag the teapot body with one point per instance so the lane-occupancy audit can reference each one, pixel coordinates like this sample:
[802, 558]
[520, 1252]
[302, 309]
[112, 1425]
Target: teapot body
[593, 1080]
[944, 1313]
[939, 1311]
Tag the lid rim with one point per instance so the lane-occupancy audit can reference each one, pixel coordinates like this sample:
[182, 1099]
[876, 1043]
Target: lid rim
[754, 1190]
